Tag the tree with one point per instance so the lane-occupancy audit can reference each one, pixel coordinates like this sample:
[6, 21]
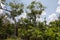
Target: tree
[35, 9]
[16, 9]
[55, 27]
[6, 28]
[29, 29]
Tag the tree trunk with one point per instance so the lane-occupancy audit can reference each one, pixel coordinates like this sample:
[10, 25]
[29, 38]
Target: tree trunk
[16, 28]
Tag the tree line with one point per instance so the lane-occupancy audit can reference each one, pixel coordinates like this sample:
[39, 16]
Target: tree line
[27, 28]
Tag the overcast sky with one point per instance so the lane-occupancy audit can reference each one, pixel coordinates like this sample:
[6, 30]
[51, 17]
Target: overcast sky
[52, 8]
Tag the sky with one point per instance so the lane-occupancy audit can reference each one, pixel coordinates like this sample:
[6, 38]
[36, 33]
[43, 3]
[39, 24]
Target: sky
[52, 8]
[51, 11]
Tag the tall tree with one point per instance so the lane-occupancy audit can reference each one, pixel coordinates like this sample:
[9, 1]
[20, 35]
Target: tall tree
[16, 10]
[35, 9]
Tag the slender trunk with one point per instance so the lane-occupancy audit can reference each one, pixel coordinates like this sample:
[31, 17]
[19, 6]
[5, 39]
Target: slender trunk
[34, 20]
[26, 36]
[16, 30]
[16, 27]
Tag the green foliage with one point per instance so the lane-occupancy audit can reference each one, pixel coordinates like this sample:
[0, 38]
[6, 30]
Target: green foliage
[28, 28]
[41, 32]
[36, 7]
[16, 9]
[5, 28]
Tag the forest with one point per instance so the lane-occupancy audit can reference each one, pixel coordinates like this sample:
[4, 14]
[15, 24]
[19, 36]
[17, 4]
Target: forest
[27, 28]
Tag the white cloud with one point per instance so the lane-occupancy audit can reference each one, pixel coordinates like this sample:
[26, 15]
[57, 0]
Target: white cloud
[11, 20]
[43, 13]
[52, 17]
[4, 7]
[58, 1]
[58, 9]
[1, 11]
[40, 19]
[23, 15]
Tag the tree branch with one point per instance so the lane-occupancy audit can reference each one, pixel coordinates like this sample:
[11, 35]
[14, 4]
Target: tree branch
[6, 10]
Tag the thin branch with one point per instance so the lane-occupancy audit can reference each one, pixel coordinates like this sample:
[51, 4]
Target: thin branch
[6, 10]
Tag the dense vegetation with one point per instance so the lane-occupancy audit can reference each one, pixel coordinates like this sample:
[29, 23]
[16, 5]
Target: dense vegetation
[27, 28]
